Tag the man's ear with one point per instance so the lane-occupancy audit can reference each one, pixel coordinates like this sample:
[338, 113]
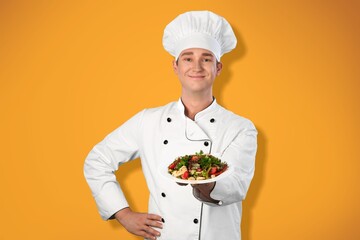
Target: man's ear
[218, 68]
[175, 66]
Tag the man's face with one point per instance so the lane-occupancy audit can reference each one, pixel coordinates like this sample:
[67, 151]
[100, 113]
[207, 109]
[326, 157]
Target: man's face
[197, 69]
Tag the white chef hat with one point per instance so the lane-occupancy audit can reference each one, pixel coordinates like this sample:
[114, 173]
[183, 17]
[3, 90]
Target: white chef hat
[199, 29]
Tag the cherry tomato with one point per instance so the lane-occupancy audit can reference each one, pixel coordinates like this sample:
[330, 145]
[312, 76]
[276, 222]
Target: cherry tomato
[221, 171]
[195, 158]
[185, 175]
[213, 170]
[172, 166]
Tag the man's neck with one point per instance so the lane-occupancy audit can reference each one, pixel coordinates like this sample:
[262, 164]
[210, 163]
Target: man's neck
[195, 104]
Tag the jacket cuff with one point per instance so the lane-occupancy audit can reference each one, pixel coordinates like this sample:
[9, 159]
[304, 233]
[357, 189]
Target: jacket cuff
[110, 200]
[220, 190]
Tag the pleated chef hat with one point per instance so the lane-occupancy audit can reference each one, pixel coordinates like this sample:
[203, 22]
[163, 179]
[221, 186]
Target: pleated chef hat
[199, 29]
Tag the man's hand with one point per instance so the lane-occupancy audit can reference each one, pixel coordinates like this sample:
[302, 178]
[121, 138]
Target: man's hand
[202, 192]
[141, 224]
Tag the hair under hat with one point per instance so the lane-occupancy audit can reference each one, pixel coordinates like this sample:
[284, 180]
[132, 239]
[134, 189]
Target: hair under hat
[199, 29]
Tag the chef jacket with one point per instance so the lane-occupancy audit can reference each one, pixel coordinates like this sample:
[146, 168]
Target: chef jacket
[160, 135]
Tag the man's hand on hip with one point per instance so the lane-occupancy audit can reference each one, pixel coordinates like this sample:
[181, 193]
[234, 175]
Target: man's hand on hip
[141, 224]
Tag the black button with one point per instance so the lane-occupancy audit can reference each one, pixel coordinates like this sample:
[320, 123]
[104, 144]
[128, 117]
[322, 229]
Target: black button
[212, 120]
[163, 194]
[196, 221]
[206, 144]
[168, 119]
[166, 142]
[162, 220]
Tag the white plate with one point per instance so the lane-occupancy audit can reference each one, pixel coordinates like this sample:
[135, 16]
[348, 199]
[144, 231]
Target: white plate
[163, 170]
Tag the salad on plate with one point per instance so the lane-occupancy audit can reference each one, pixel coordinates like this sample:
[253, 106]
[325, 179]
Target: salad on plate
[198, 166]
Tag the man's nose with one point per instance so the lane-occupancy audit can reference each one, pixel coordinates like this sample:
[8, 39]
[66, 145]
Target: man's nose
[197, 66]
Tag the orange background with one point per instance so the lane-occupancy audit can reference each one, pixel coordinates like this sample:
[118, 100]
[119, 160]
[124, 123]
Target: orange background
[72, 71]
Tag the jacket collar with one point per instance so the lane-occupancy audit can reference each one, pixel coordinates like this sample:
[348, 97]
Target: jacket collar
[209, 110]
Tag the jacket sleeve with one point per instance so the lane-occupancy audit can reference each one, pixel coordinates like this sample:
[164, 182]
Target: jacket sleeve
[118, 147]
[239, 154]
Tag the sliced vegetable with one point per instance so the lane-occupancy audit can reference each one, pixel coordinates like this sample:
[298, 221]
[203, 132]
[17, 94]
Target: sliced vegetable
[185, 175]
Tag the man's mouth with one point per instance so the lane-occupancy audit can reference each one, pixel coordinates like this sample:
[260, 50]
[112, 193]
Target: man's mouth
[196, 76]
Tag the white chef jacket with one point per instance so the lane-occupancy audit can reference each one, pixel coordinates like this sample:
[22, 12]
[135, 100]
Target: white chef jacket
[162, 134]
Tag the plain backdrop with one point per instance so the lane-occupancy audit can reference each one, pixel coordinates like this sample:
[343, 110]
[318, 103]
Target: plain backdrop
[73, 71]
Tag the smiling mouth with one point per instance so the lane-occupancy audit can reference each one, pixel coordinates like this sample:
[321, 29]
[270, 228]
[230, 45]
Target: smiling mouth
[196, 77]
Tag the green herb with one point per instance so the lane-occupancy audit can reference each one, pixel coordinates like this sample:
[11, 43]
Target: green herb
[183, 162]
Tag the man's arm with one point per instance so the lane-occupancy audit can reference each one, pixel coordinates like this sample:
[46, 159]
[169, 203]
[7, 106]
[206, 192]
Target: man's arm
[240, 154]
[100, 165]
[103, 161]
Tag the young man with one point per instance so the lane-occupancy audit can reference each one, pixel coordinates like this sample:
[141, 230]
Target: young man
[195, 122]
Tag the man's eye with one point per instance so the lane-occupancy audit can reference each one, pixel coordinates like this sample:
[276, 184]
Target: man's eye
[187, 59]
[207, 60]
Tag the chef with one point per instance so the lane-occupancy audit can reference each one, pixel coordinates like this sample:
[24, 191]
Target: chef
[194, 123]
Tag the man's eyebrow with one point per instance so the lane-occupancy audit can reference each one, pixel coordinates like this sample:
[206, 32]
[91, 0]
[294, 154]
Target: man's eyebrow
[203, 54]
[207, 54]
[187, 53]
